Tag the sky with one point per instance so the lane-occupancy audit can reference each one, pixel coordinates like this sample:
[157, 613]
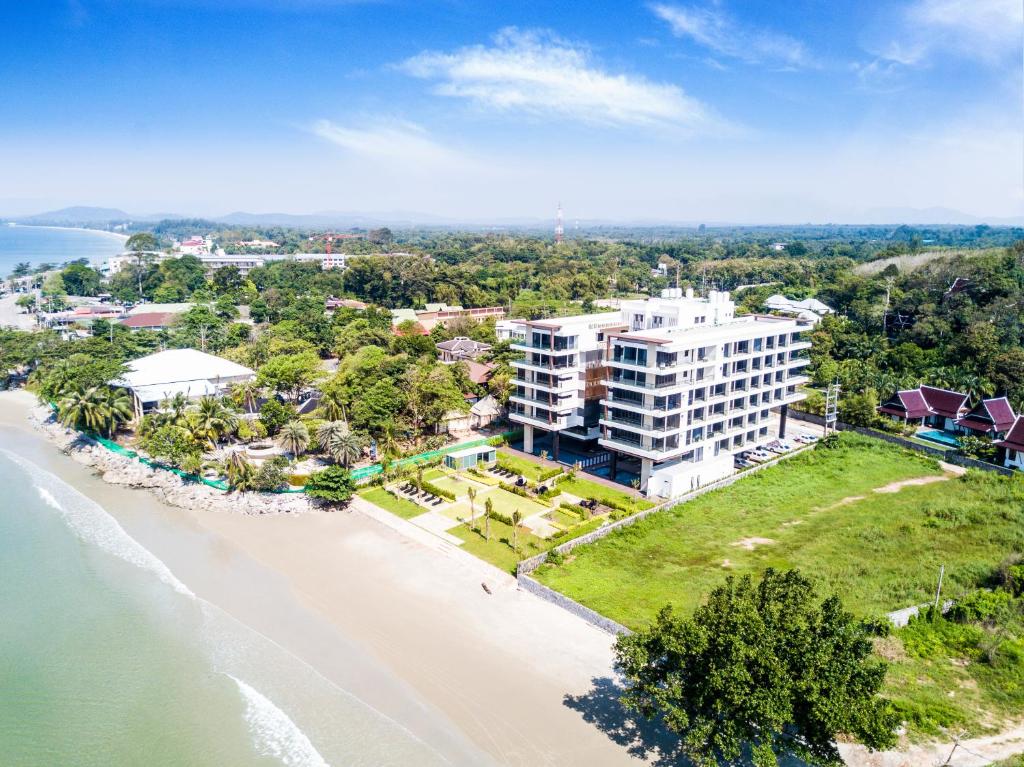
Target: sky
[752, 111]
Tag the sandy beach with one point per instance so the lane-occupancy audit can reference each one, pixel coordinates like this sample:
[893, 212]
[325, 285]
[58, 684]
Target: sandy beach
[388, 616]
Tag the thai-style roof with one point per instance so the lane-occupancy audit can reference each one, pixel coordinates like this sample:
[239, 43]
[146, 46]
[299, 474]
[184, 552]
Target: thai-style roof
[909, 403]
[1014, 439]
[994, 414]
[945, 402]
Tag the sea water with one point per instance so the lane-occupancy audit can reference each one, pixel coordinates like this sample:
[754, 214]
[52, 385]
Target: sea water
[39, 244]
[107, 659]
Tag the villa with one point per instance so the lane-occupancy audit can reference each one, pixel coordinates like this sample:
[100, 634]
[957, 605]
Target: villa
[1012, 445]
[989, 418]
[809, 309]
[673, 386]
[927, 406]
[195, 374]
[461, 348]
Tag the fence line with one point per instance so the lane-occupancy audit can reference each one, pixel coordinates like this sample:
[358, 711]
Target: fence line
[947, 455]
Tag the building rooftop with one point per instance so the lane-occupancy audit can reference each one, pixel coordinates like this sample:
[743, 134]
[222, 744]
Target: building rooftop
[150, 319]
[737, 328]
[179, 365]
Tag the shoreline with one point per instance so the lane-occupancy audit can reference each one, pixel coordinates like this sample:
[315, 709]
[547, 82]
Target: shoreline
[496, 667]
[116, 235]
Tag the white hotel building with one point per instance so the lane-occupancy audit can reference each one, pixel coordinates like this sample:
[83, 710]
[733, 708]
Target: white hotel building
[672, 386]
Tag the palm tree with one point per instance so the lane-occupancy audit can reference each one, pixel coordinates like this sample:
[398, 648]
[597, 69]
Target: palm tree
[472, 506]
[294, 437]
[517, 517]
[488, 510]
[83, 408]
[174, 410]
[117, 409]
[244, 395]
[211, 420]
[339, 442]
[331, 406]
[240, 471]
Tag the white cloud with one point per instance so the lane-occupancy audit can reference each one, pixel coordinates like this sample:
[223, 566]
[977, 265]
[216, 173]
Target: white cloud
[395, 143]
[539, 74]
[716, 30]
[985, 30]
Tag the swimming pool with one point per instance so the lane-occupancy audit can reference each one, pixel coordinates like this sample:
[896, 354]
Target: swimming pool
[939, 436]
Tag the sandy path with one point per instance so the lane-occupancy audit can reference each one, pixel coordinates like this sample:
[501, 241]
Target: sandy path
[977, 752]
[12, 315]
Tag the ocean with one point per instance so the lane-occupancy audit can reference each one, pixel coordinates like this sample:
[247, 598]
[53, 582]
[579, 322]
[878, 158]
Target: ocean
[108, 659]
[37, 244]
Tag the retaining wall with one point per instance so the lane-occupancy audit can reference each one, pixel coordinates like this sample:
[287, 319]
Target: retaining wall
[526, 583]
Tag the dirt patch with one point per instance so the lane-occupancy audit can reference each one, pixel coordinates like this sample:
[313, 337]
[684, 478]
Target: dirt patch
[793, 523]
[844, 502]
[895, 487]
[890, 648]
[726, 563]
[752, 543]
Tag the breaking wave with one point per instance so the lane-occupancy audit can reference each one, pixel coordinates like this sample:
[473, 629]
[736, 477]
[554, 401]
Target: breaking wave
[274, 733]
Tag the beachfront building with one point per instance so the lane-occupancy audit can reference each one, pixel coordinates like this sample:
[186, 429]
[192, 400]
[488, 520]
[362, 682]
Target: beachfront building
[673, 386]
[195, 374]
[1012, 446]
[471, 457]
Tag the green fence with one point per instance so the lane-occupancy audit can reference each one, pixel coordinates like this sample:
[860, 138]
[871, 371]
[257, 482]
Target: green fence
[113, 447]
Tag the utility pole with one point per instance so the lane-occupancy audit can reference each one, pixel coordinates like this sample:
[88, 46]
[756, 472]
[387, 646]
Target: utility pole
[938, 590]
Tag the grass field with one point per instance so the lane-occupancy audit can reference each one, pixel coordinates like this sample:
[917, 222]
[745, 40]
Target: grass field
[459, 485]
[504, 503]
[858, 548]
[400, 506]
[529, 469]
[584, 488]
[498, 550]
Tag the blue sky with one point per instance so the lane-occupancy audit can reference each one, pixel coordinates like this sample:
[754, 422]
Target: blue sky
[717, 110]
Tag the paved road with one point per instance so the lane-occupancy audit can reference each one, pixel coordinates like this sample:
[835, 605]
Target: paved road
[13, 316]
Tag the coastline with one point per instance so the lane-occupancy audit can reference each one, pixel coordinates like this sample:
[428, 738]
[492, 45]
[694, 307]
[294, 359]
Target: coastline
[116, 235]
[496, 667]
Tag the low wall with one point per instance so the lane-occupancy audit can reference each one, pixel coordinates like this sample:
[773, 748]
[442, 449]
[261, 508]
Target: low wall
[943, 454]
[526, 583]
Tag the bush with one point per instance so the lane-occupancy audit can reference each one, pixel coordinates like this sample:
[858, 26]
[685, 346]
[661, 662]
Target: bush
[173, 445]
[274, 415]
[551, 492]
[520, 491]
[500, 517]
[1015, 579]
[573, 508]
[440, 492]
[269, 478]
[333, 484]
[978, 606]
[554, 471]
[555, 557]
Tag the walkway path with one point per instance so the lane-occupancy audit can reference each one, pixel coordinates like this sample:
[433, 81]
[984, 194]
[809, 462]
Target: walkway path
[589, 477]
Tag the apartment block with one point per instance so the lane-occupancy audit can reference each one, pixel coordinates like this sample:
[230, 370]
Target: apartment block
[671, 387]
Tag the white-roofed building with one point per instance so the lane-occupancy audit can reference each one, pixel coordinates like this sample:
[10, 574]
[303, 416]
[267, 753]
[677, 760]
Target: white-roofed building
[809, 309]
[195, 374]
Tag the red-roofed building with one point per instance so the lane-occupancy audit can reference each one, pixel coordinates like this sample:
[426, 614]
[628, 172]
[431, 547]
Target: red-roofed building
[946, 405]
[909, 405]
[1012, 445]
[150, 320]
[990, 418]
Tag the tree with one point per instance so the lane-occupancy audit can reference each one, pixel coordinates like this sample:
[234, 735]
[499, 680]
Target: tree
[339, 442]
[211, 421]
[517, 517]
[289, 373]
[763, 665]
[333, 485]
[472, 506]
[488, 511]
[274, 415]
[81, 280]
[173, 445]
[27, 302]
[431, 394]
[96, 408]
[140, 242]
[241, 473]
[294, 437]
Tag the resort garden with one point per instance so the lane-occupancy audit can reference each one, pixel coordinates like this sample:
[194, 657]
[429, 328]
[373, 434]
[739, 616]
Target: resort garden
[503, 511]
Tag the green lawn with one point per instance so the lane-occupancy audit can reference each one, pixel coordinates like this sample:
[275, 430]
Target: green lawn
[504, 503]
[866, 550]
[378, 496]
[585, 488]
[459, 485]
[529, 469]
[498, 550]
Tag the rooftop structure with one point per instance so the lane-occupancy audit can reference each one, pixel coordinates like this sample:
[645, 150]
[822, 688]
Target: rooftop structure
[193, 373]
[244, 264]
[461, 348]
[809, 309]
[927, 405]
[1012, 445]
[990, 417]
[676, 384]
[440, 314]
[150, 320]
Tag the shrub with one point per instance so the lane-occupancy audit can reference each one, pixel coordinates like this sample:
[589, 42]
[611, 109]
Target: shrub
[551, 492]
[520, 491]
[333, 484]
[500, 517]
[979, 605]
[1015, 579]
[270, 477]
[554, 471]
[497, 441]
[274, 415]
[173, 445]
[440, 492]
[573, 508]
[555, 557]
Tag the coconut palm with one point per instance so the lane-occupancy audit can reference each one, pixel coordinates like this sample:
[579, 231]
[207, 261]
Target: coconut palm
[331, 406]
[173, 410]
[294, 437]
[240, 471]
[83, 408]
[117, 409]
[488, 510]
[329, 432]
[472, 506]
[244, 395]
[211, 420]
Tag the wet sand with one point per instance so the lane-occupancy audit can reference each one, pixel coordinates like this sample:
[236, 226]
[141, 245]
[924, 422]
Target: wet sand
[403, 624]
